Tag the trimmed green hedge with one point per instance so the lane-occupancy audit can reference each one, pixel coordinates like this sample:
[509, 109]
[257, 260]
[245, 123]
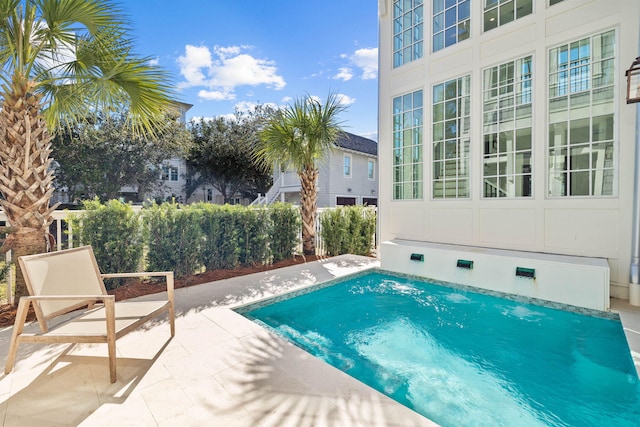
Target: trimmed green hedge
[115, 233]
[348, 230]
[174, 238]
[187, 238]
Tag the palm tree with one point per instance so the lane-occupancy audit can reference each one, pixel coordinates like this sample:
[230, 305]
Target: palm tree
[61, 59]
[299, 136]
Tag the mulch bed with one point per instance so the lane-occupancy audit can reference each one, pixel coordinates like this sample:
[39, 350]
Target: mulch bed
[135, 288]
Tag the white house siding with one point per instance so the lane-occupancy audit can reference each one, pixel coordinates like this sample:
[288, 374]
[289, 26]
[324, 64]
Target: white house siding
[358, 184]
[596, 226]
[331, 182]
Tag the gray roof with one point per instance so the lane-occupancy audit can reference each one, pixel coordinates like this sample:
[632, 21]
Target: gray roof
[353, 142]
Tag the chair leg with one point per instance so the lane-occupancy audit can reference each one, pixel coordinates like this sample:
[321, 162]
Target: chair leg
[110, 311]
[112, 360]
[172, 320]
[18, 326]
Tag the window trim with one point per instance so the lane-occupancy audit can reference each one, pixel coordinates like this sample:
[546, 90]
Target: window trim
[459, 138]
[371, 172]
[415, 46]
[399, 146]
[615, 160]
[346, 174]
[455, 27]
[514, 151]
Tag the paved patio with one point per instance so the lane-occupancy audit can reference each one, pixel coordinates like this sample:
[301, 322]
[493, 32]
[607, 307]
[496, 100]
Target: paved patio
[219, 370]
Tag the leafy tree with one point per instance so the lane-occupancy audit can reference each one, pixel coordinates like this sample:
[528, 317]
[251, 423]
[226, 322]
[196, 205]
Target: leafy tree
[60, 59]
[221, 155]
[300, 136]
[97, 159]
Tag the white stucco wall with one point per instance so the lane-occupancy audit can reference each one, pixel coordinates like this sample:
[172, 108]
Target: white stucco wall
[583, 226]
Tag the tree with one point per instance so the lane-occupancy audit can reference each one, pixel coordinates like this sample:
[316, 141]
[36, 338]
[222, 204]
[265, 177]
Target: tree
[221, 155]
[299, 136]
[61, 59]
[98, 158]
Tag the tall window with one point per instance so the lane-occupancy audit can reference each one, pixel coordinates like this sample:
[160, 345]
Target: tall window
[581, 117]
[371, 169]
[347, 165]
[408, 24]
[507, 107]
[451, 124]
[500, 12]
[552, 2]
[451, 22]
[407, 146]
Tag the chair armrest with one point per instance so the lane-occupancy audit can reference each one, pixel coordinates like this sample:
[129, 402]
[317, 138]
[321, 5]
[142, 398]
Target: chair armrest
[68, 297]
[138, 274]
[168, 275]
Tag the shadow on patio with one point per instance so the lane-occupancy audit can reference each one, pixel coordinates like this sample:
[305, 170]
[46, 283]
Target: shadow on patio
[220, 369]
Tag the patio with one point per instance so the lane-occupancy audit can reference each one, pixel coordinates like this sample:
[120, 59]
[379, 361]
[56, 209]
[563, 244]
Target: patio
[220, 369]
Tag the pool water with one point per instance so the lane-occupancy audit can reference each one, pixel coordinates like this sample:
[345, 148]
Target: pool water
[462, 358]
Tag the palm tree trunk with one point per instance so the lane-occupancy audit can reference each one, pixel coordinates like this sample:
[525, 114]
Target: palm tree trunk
[308, 204]
[25, 175]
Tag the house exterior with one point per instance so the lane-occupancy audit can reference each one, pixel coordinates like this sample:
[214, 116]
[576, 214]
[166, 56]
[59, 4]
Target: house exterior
[504, 134]
[348, 175]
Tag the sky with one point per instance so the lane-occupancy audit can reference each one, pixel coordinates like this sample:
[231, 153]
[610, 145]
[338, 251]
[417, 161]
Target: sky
[233, 54]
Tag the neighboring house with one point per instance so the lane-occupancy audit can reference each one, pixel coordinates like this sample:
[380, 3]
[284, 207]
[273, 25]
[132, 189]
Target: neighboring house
[348, 175]
[503, 125]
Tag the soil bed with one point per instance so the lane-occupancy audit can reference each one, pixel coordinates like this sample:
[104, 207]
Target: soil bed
[135, 288]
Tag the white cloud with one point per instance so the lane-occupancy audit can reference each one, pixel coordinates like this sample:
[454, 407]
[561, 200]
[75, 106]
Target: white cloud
[216, 95]
[344, 74]
[224, 68]
[367, 61]
[286, 100]
[154, 61]
[192, 63]
[345, 99]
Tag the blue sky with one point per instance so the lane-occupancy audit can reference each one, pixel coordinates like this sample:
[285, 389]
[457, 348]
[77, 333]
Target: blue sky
[234, 54]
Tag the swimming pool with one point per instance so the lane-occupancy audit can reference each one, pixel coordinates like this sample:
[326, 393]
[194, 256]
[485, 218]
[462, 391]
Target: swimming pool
[463, 358]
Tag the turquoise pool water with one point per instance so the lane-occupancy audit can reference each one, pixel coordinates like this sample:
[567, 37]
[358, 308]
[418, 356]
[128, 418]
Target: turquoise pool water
[462, 358]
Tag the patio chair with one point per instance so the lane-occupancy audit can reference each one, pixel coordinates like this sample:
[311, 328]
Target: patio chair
[68, 280]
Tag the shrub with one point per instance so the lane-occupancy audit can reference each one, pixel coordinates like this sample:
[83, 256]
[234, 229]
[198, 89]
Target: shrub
[218, 225]
[348, 229]
[285, 231]
[334, 231]
[174, 238]
[114, 231]
[253, 235]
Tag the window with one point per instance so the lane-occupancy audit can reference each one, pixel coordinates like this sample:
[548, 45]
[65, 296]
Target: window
[451, 22]
[371, 169]
[500, 12]
[169, 172]
[552, 2]
[451, 125]
[507, 109]
[345, 201]
[581, 117]
[370, 201]
[407, 146]
[408, 24]
[347, 165]
[209, 194]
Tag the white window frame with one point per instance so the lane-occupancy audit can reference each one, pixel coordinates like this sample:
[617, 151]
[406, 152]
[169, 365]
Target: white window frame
[347, 166]
[408, 31]
[371, 169]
